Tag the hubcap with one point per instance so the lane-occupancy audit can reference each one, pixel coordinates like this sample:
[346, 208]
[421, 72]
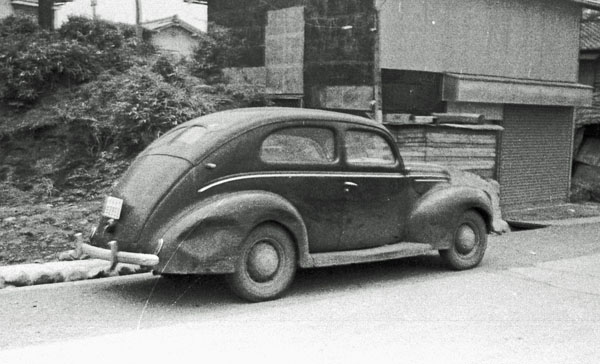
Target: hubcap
[263, 261]
[466, 239]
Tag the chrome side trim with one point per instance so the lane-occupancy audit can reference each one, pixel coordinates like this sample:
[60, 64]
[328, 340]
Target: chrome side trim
[291, 175]
[419, 179]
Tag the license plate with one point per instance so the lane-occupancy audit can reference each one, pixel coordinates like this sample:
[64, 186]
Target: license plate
[112, 207]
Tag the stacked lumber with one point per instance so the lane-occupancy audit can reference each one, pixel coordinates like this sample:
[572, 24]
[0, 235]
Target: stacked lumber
[469, 149]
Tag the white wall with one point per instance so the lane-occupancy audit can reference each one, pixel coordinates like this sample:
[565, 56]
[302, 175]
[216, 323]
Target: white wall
[5, 8]
[123, 11]
[174, 40]
[530, 39]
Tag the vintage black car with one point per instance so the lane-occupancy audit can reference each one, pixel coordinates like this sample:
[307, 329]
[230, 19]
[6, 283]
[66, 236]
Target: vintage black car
[257, 193]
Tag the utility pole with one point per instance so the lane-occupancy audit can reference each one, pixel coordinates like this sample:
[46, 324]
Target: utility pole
[94, 3]
[46, 14]
[377, 93]
[138, 18]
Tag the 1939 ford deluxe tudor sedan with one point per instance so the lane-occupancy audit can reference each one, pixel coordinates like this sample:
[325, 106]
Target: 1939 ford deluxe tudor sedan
[256, 193]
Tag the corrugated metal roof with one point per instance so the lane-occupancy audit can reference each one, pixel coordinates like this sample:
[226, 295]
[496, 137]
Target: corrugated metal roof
[591, 4]
[590, 35]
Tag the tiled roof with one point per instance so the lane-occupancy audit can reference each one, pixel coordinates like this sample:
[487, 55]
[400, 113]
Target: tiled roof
[35, 2]
[590, 35]
[158, 24]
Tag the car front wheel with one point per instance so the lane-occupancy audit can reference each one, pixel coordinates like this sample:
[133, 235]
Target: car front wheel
[468, 244]
[266, 265]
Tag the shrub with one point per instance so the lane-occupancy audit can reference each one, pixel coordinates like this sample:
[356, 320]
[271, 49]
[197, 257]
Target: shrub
[217, 49]
[131, 109]
[14, 26]
[34, 61]
[102, 34]
[28, 72]
[164, 67]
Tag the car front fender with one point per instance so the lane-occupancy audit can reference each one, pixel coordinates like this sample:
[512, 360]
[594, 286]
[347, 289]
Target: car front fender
[205, 237]
[435, 215]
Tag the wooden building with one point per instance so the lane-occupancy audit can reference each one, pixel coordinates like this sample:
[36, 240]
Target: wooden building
[513, 61]
[173, 35]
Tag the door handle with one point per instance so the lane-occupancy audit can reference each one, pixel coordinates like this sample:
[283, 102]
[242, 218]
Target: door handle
[350, 184]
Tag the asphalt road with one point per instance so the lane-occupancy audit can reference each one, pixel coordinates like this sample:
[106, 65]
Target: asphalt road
[535, 298]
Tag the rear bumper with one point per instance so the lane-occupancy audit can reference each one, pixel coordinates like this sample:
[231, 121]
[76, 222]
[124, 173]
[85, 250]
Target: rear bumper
[115, 256]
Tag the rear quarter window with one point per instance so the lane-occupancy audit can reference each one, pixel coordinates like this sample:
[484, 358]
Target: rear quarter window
[367, 148]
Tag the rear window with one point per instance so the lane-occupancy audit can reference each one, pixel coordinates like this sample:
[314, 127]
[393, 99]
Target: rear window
[299, 145]
[187, 136]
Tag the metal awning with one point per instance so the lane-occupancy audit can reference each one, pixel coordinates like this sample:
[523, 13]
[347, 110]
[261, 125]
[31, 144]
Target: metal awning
[500, 90]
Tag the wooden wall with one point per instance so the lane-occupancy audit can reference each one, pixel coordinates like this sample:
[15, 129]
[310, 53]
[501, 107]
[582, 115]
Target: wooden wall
[533, 39]
[470, 148]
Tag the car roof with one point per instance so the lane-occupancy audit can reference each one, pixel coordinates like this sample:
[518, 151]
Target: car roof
[237, 120]
[226, 125]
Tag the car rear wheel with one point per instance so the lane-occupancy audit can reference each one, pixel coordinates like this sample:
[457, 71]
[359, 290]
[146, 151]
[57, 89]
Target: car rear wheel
[468, 244]
[266, 265]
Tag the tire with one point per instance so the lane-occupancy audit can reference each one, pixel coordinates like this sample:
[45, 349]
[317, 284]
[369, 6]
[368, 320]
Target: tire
[266, 265]
[468, 243]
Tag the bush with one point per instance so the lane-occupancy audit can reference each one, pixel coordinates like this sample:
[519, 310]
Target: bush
[101, 34]
[26, 73]
[217, 49]
[34, 61]
[132, 109]
[14, 26]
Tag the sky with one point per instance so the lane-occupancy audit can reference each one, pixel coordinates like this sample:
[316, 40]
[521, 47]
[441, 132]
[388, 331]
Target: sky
[123, 11]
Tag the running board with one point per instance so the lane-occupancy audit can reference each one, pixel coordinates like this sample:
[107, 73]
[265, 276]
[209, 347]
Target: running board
[386, 252]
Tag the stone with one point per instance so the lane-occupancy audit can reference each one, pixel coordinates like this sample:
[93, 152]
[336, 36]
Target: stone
[67, 255]
[125, 270]
[50, 277]
[10, 219]
[50, 256]
[75, 275]
[21, 279]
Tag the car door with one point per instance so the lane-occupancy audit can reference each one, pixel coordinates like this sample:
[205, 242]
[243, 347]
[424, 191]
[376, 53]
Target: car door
[305, 168]
[375, 190]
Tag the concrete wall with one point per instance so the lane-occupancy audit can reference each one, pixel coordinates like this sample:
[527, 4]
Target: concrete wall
[533, 39]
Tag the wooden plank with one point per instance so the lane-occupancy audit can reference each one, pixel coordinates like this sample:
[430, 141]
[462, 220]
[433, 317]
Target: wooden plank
[464, 164]
[459, 118]
[461, 152]
[439, 136]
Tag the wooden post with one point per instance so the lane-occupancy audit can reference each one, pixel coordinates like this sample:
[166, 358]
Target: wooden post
[46, 14]
[138, 18]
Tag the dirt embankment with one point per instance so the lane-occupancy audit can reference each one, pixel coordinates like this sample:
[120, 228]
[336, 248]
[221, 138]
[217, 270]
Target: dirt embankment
[40, 232]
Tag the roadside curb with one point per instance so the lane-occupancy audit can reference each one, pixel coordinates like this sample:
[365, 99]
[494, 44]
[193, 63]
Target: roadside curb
[21, 275]
[561, 222]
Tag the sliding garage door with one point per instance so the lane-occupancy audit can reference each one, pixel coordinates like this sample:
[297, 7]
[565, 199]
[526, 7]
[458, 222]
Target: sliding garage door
[535, 155]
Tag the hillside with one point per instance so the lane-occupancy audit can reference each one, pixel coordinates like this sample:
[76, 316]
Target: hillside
[76, 106]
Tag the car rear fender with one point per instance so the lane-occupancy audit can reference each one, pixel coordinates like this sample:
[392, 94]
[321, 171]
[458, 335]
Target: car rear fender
[205, 237]
[436, 213]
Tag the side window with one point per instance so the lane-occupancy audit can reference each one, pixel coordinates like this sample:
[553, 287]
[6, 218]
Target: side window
[367, 148]
[299, 145]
